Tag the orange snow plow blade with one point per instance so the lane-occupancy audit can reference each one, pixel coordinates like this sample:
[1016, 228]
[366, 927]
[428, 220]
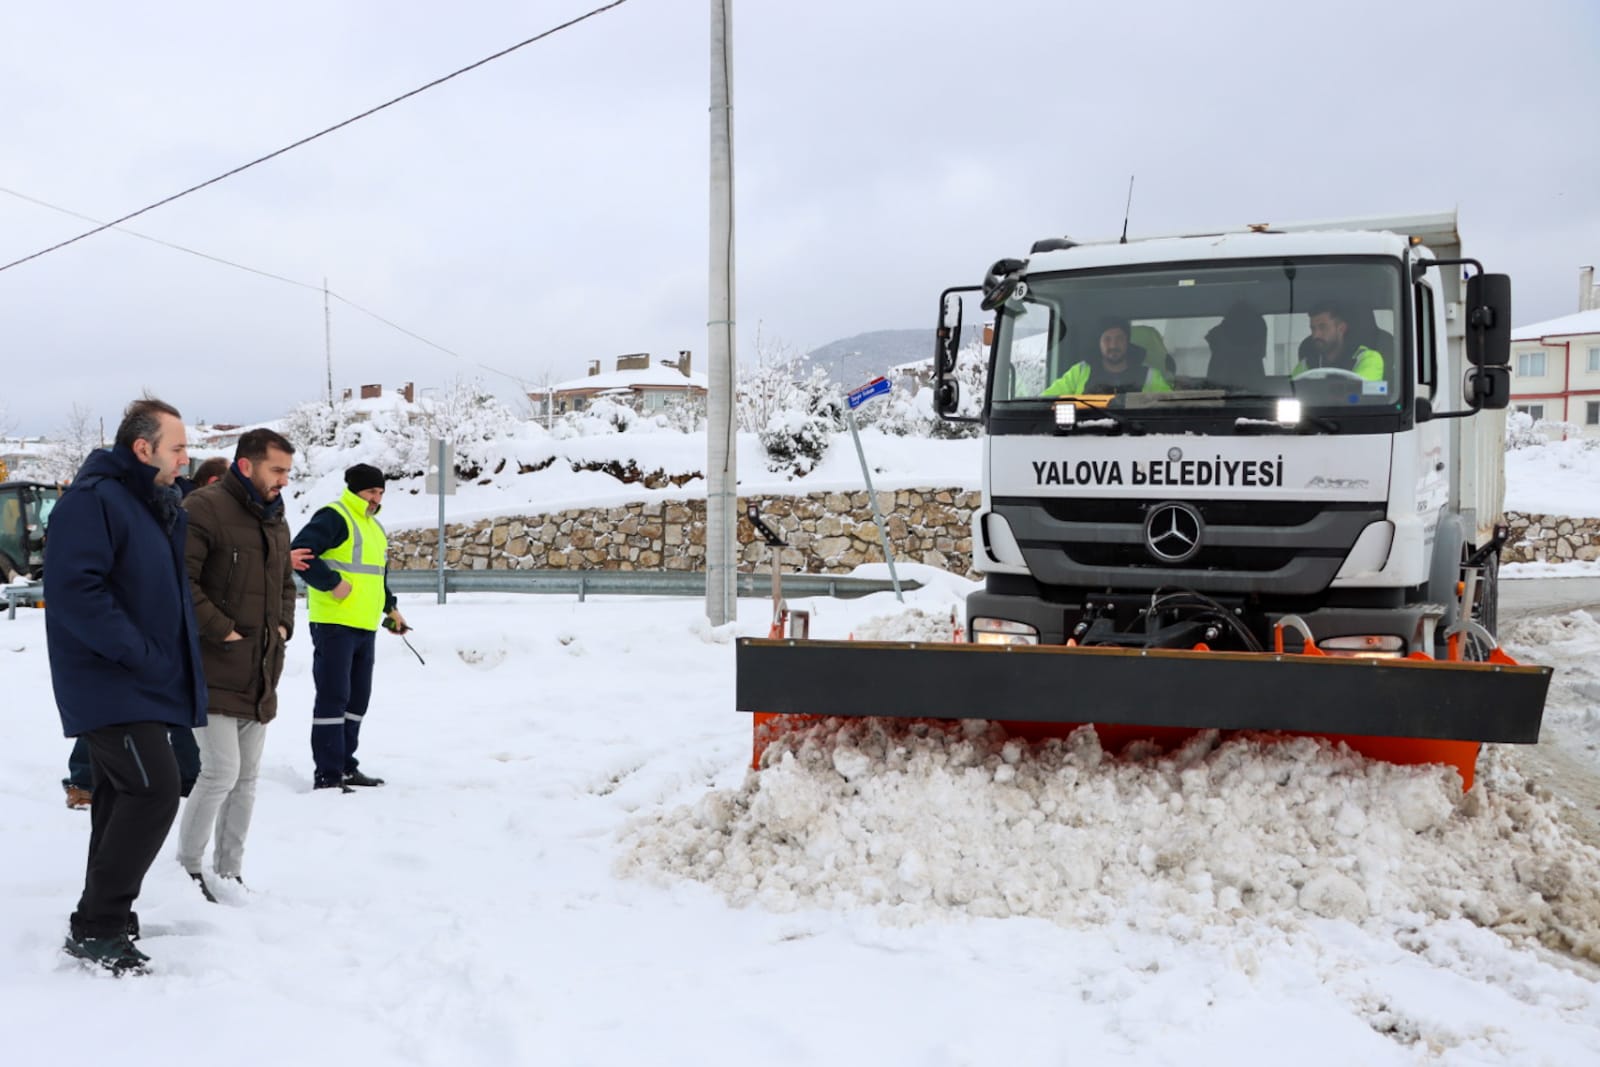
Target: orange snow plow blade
[1398, 710]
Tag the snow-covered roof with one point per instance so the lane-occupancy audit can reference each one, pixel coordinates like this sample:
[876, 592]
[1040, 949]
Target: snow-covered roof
[391, 400]
[1566, 326]
[648, 378]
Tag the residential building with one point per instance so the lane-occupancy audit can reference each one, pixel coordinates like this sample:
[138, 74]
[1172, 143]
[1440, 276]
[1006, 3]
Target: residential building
[1555, 365]
[635, 382]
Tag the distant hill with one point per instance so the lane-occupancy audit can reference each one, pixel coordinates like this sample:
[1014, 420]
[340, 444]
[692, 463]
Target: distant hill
[858, 359]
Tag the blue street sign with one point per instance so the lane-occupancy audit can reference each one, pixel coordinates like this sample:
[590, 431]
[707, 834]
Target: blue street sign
[876, 387]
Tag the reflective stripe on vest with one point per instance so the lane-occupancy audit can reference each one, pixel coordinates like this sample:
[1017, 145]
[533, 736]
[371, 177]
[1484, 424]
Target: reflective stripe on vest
[358, 559]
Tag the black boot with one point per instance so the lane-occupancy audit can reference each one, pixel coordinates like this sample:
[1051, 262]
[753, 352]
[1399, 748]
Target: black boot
[205, 889]
[114, 954]
[357, 778]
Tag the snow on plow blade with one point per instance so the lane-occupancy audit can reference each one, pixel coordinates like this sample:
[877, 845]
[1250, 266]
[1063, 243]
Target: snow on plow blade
[1436, 699]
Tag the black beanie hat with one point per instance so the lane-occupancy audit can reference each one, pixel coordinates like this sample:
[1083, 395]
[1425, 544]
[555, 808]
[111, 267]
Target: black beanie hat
[363, 476]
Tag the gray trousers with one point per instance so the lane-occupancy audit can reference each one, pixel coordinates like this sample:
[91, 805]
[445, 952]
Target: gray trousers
[224, 795]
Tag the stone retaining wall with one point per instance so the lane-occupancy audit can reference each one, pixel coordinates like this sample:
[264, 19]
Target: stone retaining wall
[828, 533]
[1551, 539]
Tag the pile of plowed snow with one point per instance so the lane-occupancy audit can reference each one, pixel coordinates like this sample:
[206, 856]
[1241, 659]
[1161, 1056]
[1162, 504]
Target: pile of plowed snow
[919, 820]
[1571, 644]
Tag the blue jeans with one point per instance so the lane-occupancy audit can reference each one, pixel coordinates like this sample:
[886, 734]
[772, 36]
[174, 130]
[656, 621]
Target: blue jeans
[183, 747]
[341, 667]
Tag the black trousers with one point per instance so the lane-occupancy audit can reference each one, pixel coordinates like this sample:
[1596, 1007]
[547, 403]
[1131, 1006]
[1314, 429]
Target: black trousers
[135, 801]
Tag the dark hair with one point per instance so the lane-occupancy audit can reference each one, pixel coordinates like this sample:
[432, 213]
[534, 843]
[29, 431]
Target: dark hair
[253, 444]
[1115, 322]
[1329, 307]
[209, 471]
[142, 421]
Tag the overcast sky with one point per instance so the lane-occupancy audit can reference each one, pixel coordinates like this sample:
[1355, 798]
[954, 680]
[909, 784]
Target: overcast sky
[551, 207]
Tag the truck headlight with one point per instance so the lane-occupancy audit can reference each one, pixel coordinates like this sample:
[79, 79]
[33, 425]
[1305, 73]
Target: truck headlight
[1376, 646]
[986, 631]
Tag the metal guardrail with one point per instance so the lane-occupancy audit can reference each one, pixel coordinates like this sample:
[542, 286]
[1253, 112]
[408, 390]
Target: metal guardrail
[30, 595]
[582, 583]
[633, 583]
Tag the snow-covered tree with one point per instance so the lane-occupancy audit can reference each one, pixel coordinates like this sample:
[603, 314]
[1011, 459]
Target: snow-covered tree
[68, 447]
[469, 415]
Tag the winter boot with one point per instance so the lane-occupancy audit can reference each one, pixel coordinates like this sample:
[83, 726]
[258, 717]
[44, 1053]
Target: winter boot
[200, 881]
[114, 954]
[357, 778]
[331, 783]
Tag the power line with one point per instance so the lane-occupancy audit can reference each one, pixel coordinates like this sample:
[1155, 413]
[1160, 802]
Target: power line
[521, 383]
[323, 133]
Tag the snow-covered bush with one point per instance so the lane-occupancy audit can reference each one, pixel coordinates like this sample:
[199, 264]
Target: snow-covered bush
[796, 437]
[794, 412]
[312, 425]
[602, 415]
[1525, 431]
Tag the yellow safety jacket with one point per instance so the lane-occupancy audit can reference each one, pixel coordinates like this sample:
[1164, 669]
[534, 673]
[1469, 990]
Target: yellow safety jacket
[1076, 381]
[359, 559]
[1367, 363]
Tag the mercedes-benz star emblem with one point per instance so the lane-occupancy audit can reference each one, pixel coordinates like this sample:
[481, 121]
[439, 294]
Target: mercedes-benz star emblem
[1172, 532]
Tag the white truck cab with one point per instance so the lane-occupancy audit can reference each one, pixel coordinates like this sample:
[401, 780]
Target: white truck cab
[1189, 439]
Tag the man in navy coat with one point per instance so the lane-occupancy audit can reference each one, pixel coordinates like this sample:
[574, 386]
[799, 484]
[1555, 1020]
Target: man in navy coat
[124, 661]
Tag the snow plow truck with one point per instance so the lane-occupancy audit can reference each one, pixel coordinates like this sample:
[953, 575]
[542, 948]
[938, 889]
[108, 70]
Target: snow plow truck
[1246, 480]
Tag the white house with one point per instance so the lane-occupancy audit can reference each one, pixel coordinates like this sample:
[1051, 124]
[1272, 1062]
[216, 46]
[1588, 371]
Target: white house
[635, 381]
[1555, 365]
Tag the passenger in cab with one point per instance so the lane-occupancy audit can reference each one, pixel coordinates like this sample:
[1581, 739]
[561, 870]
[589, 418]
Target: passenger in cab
[1332, 344]
[1120, 368]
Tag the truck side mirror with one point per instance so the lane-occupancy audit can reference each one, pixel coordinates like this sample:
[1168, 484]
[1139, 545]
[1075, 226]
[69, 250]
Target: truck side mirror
[1489, 388]
[1489, 320]
[948, 343]
[947, 397]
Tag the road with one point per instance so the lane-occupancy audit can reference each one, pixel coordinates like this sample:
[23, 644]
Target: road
[1524, 597]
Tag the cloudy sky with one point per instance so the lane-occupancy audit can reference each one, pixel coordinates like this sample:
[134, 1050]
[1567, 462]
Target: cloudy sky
[551, 207]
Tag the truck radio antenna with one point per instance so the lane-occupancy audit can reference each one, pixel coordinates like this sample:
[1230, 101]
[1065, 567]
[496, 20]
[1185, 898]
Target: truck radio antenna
[1126, 211]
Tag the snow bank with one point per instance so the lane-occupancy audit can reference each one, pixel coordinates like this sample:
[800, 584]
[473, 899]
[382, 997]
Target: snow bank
[920, 820]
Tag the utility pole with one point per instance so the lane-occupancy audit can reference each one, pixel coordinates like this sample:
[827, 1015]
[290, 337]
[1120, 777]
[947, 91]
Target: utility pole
[722, 503]
[327, 338]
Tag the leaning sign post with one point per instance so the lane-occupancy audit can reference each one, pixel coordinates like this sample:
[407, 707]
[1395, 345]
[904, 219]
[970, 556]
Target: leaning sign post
[877, 387]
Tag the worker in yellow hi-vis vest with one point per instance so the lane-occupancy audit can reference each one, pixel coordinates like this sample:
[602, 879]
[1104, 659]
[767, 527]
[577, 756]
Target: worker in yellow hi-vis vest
[347, 598]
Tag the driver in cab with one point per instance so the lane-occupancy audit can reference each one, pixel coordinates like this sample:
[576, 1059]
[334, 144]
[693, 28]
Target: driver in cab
[1120, 368]
[1330, 345]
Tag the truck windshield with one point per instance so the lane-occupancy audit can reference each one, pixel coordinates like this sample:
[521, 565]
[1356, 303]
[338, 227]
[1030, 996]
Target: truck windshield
[1218, 338]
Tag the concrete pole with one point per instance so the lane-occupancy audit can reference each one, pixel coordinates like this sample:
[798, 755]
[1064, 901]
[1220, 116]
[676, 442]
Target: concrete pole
[722, 504]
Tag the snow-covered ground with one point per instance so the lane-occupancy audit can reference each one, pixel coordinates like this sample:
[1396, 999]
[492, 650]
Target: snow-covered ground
[572, 865]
